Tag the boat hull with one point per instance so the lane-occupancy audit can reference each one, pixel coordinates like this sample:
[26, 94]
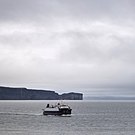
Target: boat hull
[61, 112]
[52, 113]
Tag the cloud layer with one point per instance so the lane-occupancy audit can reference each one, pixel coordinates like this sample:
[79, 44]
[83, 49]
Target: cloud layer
[57, 44]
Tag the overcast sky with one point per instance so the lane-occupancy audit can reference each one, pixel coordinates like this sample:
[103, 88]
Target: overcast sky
[68, 45]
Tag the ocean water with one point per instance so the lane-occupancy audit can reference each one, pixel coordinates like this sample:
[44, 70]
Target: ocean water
[88, 118]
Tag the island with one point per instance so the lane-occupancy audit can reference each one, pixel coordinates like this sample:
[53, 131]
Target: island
[10, 93]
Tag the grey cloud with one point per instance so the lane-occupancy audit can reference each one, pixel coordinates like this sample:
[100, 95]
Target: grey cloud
[47, 10]
[29, 10]
[92, 46]
[71, 44]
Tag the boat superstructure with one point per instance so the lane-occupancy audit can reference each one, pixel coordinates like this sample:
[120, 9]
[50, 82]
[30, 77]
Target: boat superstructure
[59, 109]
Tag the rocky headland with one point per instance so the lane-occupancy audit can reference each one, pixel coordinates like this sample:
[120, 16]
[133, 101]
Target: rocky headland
[10, 93]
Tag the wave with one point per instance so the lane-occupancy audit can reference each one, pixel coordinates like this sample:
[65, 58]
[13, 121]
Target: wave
[13, 113]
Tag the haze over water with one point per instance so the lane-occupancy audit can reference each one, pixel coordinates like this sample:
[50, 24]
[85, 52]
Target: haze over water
[88, 118]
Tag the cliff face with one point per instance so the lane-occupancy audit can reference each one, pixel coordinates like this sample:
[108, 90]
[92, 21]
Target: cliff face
[7, 93]
[72, 96]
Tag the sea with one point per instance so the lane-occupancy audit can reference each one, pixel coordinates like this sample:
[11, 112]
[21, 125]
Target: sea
[88, 118]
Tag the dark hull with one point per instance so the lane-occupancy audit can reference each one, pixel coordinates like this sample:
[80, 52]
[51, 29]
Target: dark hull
[57, 112]
[52, 113]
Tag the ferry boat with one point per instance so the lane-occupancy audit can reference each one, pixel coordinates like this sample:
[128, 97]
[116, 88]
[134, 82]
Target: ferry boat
[59, 109]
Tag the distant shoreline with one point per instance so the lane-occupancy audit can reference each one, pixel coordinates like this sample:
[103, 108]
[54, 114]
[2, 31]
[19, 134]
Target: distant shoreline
[10, 93]
[109, 98]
